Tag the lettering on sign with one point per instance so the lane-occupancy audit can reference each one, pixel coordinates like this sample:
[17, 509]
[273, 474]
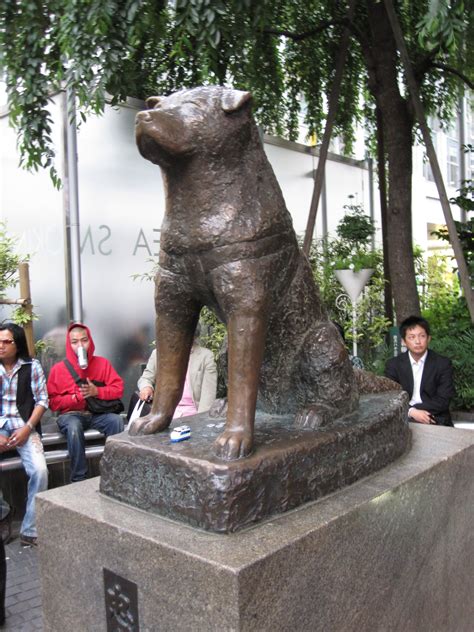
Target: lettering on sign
[142, 243]
[90, 241]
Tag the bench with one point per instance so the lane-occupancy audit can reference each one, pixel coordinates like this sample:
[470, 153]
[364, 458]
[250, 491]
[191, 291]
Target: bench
[53, 453]
[12, 473]
[55, 446]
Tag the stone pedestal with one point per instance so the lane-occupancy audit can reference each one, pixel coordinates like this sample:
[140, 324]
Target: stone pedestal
[289, 466]
[394, 551]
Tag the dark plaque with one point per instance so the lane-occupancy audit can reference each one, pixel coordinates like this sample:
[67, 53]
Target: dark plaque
[121, 603]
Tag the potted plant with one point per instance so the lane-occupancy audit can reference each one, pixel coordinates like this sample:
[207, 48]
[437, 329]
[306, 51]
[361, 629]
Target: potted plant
[354, 260]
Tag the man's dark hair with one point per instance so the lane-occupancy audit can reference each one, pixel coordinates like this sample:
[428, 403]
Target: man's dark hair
[19, 337]
[413, 321]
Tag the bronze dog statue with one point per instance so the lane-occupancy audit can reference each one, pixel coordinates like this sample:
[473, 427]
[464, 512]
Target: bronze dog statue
[228, 242]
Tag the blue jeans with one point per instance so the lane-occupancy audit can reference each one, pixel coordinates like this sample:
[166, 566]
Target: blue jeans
[73, 425]
[32, 457]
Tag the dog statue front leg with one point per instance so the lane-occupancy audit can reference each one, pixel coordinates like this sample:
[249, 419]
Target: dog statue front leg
[173, 349]
[246, 334]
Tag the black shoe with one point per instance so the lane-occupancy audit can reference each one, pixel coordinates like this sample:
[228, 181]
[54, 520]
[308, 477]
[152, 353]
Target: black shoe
[28, 540]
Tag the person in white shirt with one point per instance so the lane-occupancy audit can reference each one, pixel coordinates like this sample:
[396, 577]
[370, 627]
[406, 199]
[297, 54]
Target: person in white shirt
[425, 375]
[201, 381]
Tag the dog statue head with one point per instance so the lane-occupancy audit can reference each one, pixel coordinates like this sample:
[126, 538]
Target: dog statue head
[200, 120]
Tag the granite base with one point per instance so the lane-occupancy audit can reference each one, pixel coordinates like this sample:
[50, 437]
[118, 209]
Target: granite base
[394, 551]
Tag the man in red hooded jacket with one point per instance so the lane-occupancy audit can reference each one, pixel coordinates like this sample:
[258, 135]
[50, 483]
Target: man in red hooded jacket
[69, 398]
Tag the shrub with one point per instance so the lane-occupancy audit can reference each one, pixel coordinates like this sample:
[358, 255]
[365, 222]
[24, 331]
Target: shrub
[213, 331]
[458, 347]
[355, 228]
[451, 328]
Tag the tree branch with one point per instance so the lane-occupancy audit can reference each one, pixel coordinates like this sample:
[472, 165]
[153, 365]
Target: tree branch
[349, 24]
[454, 71]
[297, 37]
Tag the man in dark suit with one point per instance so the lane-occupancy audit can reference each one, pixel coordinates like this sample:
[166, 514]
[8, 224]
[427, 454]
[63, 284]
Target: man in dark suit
[425, 375]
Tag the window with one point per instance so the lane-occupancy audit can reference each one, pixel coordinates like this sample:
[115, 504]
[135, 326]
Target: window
[453, 162]
[452, 154]
[470, 139]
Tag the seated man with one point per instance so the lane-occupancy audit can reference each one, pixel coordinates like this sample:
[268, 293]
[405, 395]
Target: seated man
[426, 376]
[23, 401]
[200, 387]
[69, 391]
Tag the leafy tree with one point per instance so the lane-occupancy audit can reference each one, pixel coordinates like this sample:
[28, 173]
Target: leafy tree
[284, 51]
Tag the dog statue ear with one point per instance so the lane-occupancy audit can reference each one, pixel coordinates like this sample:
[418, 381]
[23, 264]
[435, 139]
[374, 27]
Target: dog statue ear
[233, 100]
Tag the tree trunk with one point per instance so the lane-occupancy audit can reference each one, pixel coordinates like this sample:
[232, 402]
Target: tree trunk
[332, 110]
[418, 107]
[398, 142]
[397, 122]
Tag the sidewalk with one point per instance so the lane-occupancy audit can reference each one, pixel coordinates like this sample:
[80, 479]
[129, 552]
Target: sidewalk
[23, 598]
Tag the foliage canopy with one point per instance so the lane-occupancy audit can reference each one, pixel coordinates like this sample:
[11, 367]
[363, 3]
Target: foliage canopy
[284, 51]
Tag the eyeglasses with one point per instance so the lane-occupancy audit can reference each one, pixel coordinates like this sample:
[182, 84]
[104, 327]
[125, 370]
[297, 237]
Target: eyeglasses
[7, 342]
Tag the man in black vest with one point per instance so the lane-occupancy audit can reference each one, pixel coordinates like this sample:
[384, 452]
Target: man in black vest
[426, 376]
[23, 400]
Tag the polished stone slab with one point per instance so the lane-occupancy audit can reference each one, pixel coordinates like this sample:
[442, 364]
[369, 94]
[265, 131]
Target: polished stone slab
[394, 551]
[289, 466]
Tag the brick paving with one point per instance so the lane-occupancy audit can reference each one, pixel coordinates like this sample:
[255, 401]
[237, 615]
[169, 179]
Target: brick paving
[23, 596]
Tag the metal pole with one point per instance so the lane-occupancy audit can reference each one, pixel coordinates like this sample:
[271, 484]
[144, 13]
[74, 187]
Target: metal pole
[354, 329]
[72, 240]
[370, 166]
[333, 103]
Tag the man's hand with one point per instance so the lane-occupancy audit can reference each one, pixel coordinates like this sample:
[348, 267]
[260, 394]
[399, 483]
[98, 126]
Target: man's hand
[15, 440]
[19, 437]
[4, 444]
[146, 393]
[89, 389]
[421, 416]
